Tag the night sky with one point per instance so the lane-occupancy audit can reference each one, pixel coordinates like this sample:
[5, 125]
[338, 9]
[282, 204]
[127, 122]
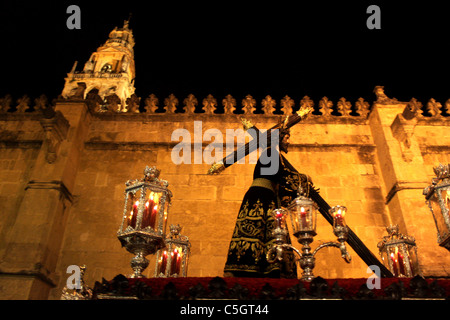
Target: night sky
[238, 48]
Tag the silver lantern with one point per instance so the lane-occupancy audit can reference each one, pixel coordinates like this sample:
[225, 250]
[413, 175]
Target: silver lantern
[399, 253]
[143, 227]
[172, 260]
[437, 196]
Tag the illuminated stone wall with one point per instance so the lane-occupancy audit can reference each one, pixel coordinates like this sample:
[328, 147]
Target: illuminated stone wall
[68, 212]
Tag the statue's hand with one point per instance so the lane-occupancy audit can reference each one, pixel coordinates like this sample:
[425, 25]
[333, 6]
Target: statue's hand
[304, 111]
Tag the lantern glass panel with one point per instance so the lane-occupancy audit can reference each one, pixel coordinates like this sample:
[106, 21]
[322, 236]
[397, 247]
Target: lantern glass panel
[166, 212]
[151, 209]
[413, 261]
[397, 261]
[302, 217]
[445, 200]
[175, 265]
[132, 209]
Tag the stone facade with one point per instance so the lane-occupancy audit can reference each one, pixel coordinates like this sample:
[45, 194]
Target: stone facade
[64, 167]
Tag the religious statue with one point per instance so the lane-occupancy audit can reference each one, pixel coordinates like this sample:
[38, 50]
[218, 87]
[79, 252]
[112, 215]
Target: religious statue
[252, 236]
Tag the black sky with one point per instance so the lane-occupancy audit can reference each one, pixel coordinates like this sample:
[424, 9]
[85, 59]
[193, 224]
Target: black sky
[238, 48]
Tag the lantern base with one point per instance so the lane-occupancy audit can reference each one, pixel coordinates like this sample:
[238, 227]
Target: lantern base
[139, 263]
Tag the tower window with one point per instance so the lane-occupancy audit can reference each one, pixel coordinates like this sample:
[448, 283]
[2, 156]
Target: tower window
[106, 68]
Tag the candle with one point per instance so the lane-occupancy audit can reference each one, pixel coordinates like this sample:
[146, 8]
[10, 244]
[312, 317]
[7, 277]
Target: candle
[394, 264]
[179, 264]
[278, 218]
[133, 215]
[304, 224]
[401, 263]
[339, 218]
[153, 208]
[162, 263]
[173, 263]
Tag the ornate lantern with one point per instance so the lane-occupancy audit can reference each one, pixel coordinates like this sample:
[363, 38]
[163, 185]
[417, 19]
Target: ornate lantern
[172, 261]
[303, 213]
[143, 227]
[437, 196]
[399, 253]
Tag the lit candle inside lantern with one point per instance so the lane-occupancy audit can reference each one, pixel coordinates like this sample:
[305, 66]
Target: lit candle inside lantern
[279, 217]
[304, 224]
[133, 215]
[175, 265]
[394, 264]
[150, 210]
[162, 263]
[339, 217]
[401, 263]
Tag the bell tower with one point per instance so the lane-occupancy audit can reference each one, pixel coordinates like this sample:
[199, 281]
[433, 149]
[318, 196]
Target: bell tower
[110, 71]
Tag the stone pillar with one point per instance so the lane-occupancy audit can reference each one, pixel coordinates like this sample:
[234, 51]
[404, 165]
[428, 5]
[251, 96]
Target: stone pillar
[404, 175]
[30, 256]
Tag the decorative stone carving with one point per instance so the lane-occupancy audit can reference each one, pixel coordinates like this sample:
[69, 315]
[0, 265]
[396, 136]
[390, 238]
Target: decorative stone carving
[403, 129]
[56, 128]
[268, 105]
[248, 104]
[416, 107]
[209, 104]
[382, 98]
[344, 107]
[151, 103]
[23, 104]
[112, 103]
[286, 105]
[171, 103]
[78, 92]
[362, 107]
[133, 103]
[434, 108]
[325, 107]
[5, 103]
[229, 104]
[94, 101]
[306, 102]
[190, 102]
[446, 107]
[40, 103]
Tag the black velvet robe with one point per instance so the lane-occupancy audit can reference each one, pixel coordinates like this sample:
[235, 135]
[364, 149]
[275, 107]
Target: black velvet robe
[252, 236]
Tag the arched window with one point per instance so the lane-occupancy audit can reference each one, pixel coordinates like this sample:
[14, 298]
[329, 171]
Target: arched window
[106, 68]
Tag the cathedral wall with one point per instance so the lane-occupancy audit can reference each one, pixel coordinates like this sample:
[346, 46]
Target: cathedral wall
[344, 156]
[339, 156]
[20, 140]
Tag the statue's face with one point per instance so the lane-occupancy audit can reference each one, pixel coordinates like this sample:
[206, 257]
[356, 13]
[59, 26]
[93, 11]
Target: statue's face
[284, 144]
